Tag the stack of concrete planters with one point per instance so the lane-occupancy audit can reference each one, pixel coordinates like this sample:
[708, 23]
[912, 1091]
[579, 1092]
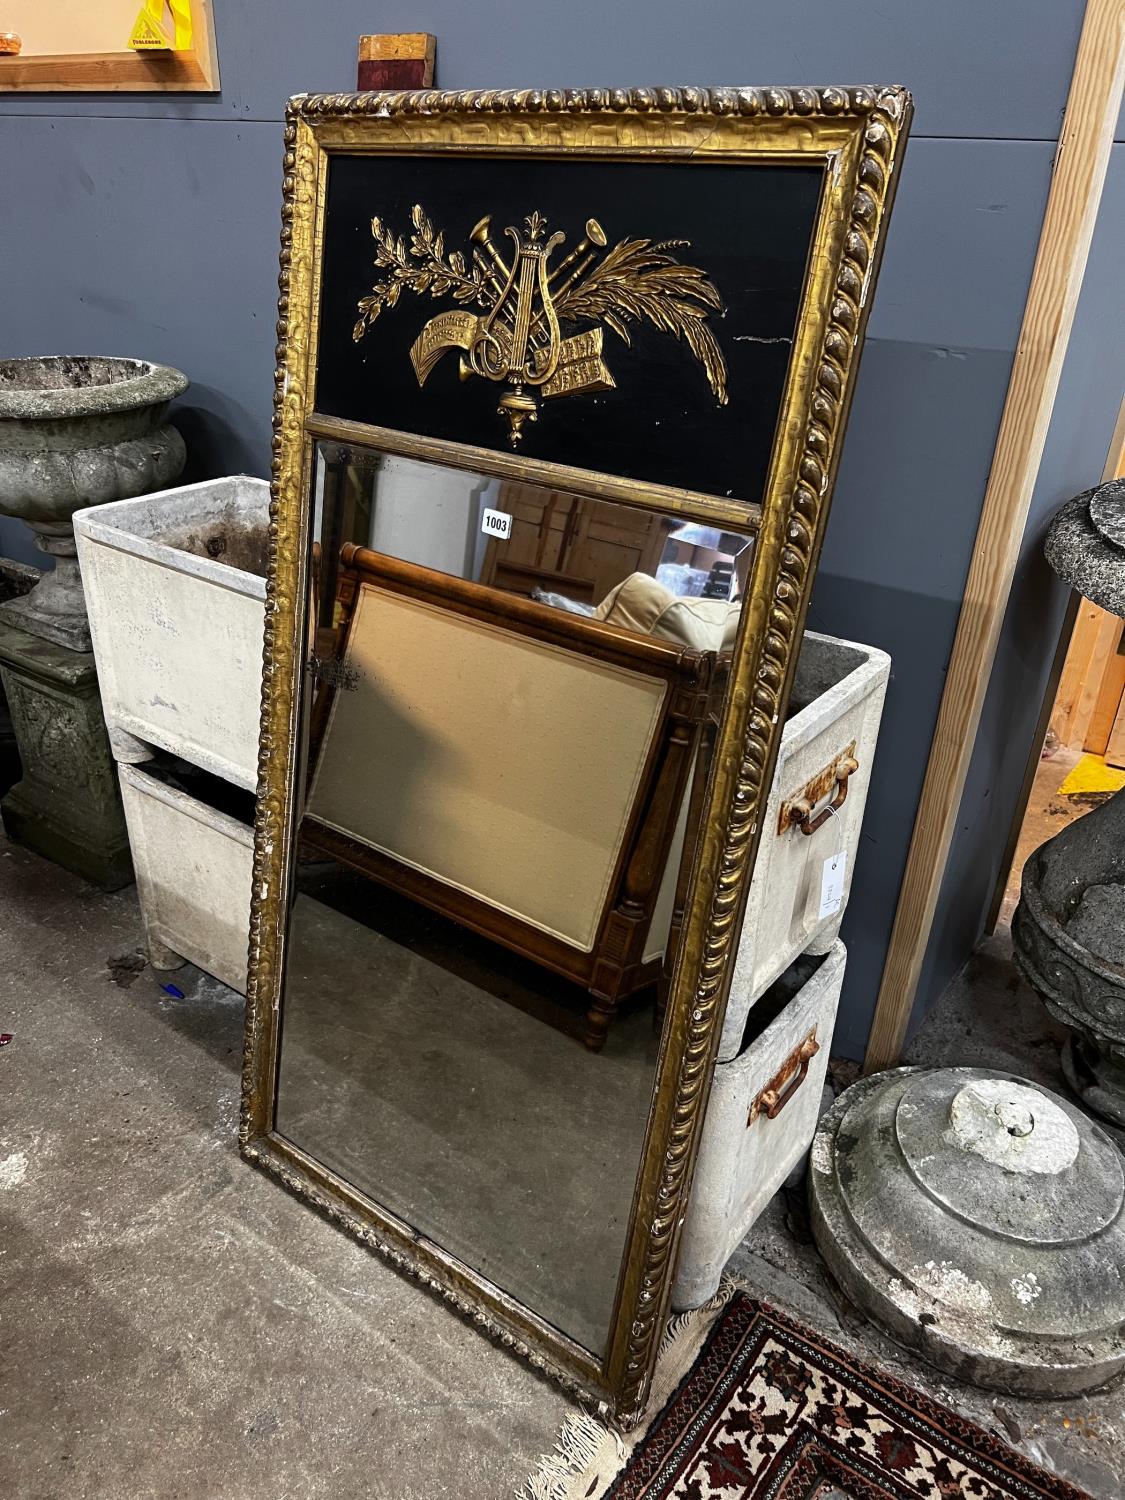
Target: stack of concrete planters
[789, 969]
[175, 587]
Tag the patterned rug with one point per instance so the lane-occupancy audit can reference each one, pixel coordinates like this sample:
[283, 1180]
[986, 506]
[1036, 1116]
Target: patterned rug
[770, 1411]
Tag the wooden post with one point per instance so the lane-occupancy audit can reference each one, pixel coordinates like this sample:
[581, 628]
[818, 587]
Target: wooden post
[1064, 243]
[1095, 638]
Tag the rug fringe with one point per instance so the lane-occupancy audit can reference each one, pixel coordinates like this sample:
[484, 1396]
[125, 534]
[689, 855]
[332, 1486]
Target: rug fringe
[586, 1445]
[678, 1323]
[583, 1442]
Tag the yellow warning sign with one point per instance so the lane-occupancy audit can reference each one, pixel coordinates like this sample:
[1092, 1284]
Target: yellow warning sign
[1091, 777]
[150, 34]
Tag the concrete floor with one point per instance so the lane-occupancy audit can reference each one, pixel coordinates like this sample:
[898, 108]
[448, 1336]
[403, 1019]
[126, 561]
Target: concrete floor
[175, 1326]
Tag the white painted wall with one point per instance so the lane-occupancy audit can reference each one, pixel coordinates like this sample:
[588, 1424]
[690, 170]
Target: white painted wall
[429, 515]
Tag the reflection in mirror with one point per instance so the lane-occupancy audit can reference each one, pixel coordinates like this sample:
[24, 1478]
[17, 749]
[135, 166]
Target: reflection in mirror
[510, 703]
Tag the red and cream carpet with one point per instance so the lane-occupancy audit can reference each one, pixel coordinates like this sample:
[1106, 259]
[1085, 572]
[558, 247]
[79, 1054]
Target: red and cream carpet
[768, 1410]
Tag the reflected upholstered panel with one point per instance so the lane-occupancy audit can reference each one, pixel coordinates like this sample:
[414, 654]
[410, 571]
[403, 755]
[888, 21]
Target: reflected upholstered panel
[529, 766]
[508, 766]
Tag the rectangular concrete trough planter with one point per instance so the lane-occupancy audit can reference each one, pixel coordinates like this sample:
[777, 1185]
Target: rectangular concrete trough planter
[761, 1117]
[192, 838]
[847, 684]
[827, 747]
[175, 586]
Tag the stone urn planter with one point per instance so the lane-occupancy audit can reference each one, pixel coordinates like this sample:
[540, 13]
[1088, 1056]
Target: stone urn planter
[77, 431]
[1069, 927]
[1069, 940]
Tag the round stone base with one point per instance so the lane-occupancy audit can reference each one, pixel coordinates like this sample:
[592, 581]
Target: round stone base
[979, 1220]
[55, 609]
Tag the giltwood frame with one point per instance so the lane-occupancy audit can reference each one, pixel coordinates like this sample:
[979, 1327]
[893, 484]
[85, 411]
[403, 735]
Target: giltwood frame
[857, 135]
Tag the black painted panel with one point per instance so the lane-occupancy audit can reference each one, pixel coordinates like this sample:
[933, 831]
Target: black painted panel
[748, 228]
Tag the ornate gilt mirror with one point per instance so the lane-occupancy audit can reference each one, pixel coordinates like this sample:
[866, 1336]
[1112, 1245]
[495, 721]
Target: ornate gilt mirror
[562, 383]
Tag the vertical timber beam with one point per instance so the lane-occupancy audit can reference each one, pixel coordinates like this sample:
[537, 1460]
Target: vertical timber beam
[1064, 243]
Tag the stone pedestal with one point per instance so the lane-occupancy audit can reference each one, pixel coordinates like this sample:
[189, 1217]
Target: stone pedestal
[1096, 1073]
[67, 806]
[15, 579]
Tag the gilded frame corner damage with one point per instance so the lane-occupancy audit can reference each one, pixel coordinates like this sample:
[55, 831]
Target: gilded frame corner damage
[857, 135]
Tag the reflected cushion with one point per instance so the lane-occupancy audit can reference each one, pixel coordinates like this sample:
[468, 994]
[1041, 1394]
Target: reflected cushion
[640, 603]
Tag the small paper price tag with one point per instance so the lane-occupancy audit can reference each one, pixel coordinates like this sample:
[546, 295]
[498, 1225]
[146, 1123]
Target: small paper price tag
[496, 523]
[832, 883]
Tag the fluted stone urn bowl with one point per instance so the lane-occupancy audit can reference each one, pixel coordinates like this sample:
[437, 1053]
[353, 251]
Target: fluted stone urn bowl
[78, 430]
[1068, 935]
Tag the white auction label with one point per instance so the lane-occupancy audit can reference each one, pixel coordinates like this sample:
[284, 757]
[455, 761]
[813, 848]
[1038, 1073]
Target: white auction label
[832, 883]
[496, 523]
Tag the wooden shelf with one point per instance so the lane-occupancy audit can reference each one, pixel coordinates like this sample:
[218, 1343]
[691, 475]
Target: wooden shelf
[126, 71]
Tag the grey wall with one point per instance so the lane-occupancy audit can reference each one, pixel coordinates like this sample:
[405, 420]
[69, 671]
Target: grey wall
[1085, 411]
[149, 227]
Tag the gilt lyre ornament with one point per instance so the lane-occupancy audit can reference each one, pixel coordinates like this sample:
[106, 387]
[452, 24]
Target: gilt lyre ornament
[517, 338]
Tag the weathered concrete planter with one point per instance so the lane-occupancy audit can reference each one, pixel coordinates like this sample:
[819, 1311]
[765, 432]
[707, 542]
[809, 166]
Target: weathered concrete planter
[176, 588]
[193, 861]
[77, 431]
[746, 1155]
[833, 725]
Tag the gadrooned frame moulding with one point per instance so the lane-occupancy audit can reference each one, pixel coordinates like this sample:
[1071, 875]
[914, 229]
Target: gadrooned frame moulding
[858, 136]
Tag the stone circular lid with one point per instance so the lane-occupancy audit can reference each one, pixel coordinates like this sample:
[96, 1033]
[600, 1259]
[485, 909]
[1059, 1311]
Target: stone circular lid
[53, 386]
[1003, 1156]
[1085, 545]
[981, 1219]
[1107, 512]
